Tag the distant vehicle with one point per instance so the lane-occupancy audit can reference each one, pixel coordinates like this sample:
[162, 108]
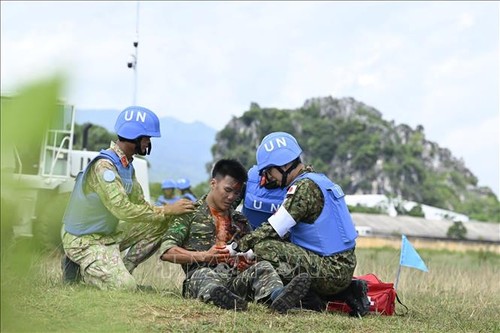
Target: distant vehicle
[44, 180]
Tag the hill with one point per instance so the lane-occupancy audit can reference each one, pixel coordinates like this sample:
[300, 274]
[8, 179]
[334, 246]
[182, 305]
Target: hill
[351, 143]
[182, 151]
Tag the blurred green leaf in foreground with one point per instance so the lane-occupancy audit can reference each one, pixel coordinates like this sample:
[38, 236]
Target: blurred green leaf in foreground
[25, 117]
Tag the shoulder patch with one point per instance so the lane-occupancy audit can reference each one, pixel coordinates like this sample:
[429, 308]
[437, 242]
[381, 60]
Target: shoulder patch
[108, 176]
[291, 190]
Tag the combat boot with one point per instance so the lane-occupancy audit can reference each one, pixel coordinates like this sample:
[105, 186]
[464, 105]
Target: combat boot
[292, 294]
[70, 270]
[357, 298]
[224, 298]
[312, 301]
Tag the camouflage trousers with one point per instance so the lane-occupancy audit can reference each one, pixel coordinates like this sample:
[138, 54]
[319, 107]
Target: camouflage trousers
[329, 275]
[100, 259]
[255, 283]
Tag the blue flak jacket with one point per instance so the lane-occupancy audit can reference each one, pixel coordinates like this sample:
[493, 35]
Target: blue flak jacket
[333, 231]
[260, 203]
[86, 214]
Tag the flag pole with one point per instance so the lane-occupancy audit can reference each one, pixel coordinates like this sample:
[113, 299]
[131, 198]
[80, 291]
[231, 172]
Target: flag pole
[410, 258]
[397, 277]
[400, 261]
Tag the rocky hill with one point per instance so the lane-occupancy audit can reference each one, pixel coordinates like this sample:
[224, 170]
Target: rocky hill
[365, 154]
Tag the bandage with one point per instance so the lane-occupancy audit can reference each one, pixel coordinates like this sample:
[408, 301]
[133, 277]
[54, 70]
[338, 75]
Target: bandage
[282, 221]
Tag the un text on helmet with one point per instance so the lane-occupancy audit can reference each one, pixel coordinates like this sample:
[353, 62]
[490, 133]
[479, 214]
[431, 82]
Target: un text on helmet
[280, 142]
[139, 115]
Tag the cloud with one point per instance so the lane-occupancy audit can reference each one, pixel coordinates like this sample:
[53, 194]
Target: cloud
[428, 63]
[472, 140]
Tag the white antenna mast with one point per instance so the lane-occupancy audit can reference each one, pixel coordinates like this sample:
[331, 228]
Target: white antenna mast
[134, 57]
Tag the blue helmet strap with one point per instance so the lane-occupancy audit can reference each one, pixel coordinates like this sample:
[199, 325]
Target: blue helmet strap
[285, 173]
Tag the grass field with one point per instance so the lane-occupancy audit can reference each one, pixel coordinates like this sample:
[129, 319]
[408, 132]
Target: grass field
[461, 293]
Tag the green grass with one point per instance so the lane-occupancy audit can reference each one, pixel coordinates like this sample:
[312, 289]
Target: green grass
[461, 293]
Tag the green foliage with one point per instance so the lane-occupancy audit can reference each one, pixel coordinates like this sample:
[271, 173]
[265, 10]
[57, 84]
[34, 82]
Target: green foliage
[201, 189]
[363, 209]
[98, 137]
[457, 231]
[155, 191]
[485, 209]
[25, 119]
[416, 211]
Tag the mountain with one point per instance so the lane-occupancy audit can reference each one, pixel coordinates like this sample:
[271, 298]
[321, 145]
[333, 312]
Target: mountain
[183, 150]
[354, 146]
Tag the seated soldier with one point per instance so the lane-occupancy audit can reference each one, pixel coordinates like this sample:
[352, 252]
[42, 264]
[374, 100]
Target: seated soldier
[168, 196]
[198, 241]
[184, 185]
[312, 231]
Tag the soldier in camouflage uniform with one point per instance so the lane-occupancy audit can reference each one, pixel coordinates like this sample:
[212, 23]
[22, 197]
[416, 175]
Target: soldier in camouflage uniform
[312, 231]
[198, 241]
[107, 192]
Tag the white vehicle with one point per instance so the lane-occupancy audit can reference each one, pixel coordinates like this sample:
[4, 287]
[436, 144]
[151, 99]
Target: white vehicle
[43, 183]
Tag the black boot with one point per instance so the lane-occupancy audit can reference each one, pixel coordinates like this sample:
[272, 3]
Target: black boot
[312, 301]
[292, 294]
[224, 298]
[357, 299]
[70, 270]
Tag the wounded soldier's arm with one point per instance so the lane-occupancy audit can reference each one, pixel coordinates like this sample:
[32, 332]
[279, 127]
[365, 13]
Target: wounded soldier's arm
[179, 255]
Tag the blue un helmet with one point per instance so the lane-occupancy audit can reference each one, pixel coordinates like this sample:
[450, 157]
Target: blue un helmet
[183, 184]
[168, 183]
[275, 134]
[278, 149]
[135, 122]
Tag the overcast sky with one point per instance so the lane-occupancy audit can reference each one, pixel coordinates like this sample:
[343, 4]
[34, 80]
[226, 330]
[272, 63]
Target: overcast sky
[430, 63]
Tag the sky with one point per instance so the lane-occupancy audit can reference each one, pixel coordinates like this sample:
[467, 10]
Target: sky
[434, 64]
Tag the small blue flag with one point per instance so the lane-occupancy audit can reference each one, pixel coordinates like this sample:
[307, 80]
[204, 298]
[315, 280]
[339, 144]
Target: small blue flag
[409, 257]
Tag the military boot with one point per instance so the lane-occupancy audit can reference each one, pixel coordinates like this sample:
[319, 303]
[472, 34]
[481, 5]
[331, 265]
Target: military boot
[292, 294]
[224, 298]
[312, 301]
[357, 298]
[70, 270]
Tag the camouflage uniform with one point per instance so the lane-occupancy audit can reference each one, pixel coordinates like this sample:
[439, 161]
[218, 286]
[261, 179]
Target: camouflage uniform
[329, 274]
[141, 226]
[196, 232]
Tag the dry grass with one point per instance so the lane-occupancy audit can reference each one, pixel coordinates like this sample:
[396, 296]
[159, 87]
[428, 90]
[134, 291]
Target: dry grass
[419, 243]
[461, 293]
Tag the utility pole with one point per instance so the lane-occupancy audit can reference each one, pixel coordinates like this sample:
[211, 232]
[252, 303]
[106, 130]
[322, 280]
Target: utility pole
[134, 57]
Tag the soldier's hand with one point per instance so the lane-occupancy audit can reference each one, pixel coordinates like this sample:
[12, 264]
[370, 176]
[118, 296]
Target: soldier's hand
[179, 207]
[216, 255]
[243, 263]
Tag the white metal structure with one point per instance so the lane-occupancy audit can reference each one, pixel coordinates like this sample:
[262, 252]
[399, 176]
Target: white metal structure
[42, 190]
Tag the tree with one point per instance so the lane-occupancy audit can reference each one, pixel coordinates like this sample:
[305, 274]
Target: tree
[457, 231]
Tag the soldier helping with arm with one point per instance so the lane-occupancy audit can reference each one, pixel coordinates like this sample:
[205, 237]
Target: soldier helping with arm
[312, 231]
[107, 192]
